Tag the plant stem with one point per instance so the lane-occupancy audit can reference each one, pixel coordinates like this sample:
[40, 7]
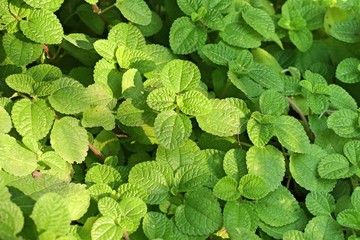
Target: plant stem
[126, 235]
[96, 152]
[303, 118]
[106, 9]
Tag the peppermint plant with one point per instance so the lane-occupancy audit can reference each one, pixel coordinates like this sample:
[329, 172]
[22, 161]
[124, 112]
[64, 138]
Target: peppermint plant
[183, 119]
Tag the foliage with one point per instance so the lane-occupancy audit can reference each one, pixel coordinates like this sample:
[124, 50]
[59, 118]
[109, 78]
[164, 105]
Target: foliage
[186, 119]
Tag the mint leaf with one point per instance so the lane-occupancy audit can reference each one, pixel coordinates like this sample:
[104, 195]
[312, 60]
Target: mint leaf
[291, 134]
[272, 103]
[172, 129]
[103, 174]
[109, 207]
[5, 121]
[47, 4]
[340, 98]
[98, 116]
[259, 130]
[352, 151]
[180, 75]
[51, 213]
[219, 53]
[155, 25]
[186, 37]
[349, 218]
[136, 11]
[234, 163]
[253, 186]
[105, 48]
[161, 99]
[32, 118]
[194, 103]
[200, 214]
[267, 162]
[105, 228]
[190, 177]
[319, 203]
[42, 26]
[69, 140]
[131, 84]
[14, 158]
[265, 76]
[347, 71]
[323, 227]
[21, 83]
[56, 166]
[135, 112]
[12, 219]
[156, 225]
[44, 72]
[344, 122]
[302, 39]
[132, 58]
[334, 166]
[226, 189]
[127, 35]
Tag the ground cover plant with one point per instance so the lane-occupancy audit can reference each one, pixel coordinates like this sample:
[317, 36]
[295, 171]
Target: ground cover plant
[186, 119]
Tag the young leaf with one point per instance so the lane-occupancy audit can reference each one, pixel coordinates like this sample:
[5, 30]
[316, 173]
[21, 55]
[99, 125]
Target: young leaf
[323, 227]
[132, 58]
[98, 116]
[225, 119]
[105, 48]
[133, 208]
[348, 70]
[109, 207]
[226, 189]
[234, 163]
[136, 11]
[302, 39]
[259, 132]
[172, 129]
[291, 134]
[14, 158]
[200, 214]
[303, 168]
[334, 166]
[57, 166]
[153, 177]
[105, 228]
[278, 208]
[161, 99]
[344, 122]
[194, 103]
[180, 75]
[42, 26]
[268, 163]
[156, 225]
[20, 50]
[69, 96]
[219, 54]
[186, 37]
[131, 84]
[190, 177]
[127, 35]
[69, 140]
[319, 203]
[103, 174]
[253, 187]
[266, 77]
[5, 121]
[51, 213]
[21, 83]
[32, 118]
[44, 72]
[272, 103]
[135, 112]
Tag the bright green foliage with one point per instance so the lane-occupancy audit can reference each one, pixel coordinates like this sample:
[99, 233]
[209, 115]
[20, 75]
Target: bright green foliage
[179, 120]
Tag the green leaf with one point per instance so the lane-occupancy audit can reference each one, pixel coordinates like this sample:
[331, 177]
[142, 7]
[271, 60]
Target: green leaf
[12, 219]
[21, 83]
[303, 168]
[128, 35]
[135, 112]
[242, 63]
[293, 235]
[180, 75]
[129, 190]
[153, 177]
[334, 166]
[69, 140]
[104, 228]
[349, 218]
[200, 214]
[133, 58]
[20, 50]
[188, 7]
[319, 203]
[347, 70]
[91, 20]
[32, 118]
[323, 227]
[186, 37]
[278, 208]
[69, 96]
[56, 166]
[98, 116]
[234, 163]
[253, 187]
[98, 93]
[14, 158]
[238, 33]
[346, 31]
[239, 217]
[190, 177]
[225, 118]
[136, 11]
[219, 54]
[266, 77]
[105, 48]
[344, 122]
[109, 207]
[103, 174]
[133, 208]
[259, 133]
[194, 103]
[268, 163]
[272, 103]
[352, 151]
[48, 4]
[157, 226]
[291, 134]
[44, 72]
[42, 26]
[51, 213]
[131, 84]
[153, 27]
[302, 39]
[226, 189]
[340, 98]
[172, 129]
[188, 154]
[5, 121]
[161, 99]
